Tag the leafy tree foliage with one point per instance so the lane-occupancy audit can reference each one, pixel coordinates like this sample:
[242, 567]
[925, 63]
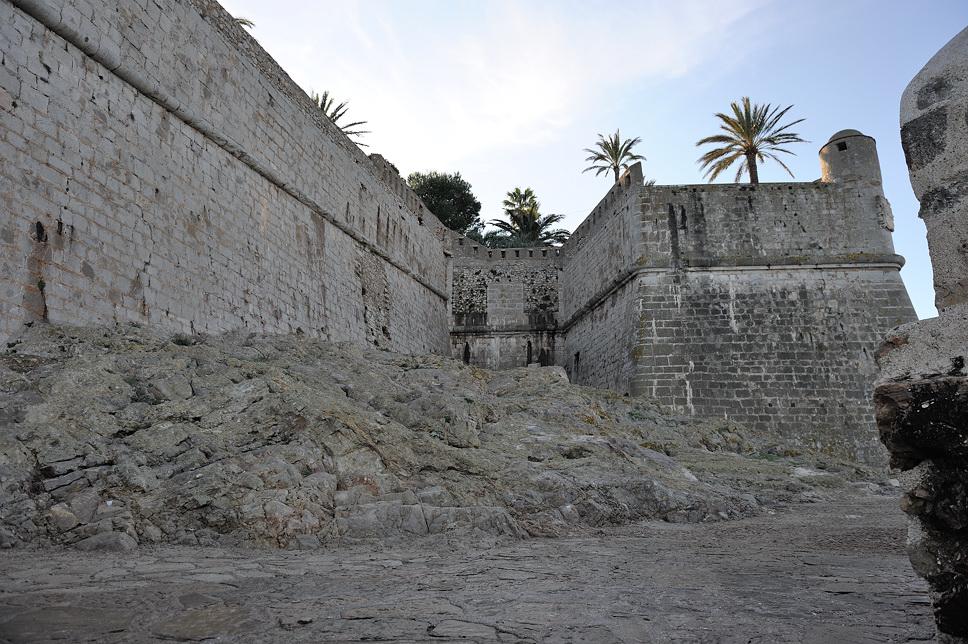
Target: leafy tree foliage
[752, 133]
[449, 196]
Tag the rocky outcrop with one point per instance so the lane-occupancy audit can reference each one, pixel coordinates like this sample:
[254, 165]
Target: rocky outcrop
[922, 407]
[934, 133]
[922, 395]
[110, 438]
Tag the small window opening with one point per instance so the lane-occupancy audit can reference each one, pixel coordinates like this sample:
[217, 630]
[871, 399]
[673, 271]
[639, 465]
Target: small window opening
[841, 146]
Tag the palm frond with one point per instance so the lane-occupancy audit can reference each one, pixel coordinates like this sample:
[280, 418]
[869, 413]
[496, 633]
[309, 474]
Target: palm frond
[612, 153]
[335, 112]
[750, 133]
[782, 165]
[714, 169]
[525, 225]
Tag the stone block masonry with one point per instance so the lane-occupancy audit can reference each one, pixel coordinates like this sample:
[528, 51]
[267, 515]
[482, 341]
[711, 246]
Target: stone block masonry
[504, 307]
[766, 304]
[599, 304]
[761, 304]
[159, 167]
[786, 348]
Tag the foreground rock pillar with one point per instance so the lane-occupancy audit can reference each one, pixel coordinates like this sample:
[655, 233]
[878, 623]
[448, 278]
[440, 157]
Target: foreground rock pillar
[922, 395]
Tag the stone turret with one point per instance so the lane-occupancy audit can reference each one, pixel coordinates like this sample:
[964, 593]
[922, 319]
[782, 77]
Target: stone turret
[850, 156]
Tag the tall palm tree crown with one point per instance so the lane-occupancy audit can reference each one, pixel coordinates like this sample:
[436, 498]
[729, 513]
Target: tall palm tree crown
[612, 153]
[752, 133]
[334, 112]
[526, 226]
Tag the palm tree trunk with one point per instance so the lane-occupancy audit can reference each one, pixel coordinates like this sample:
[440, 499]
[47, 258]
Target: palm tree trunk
[615, 169]
[751, 164]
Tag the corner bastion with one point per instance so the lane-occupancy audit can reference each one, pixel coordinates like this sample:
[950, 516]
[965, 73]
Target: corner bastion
[157, 166]
[762, 304]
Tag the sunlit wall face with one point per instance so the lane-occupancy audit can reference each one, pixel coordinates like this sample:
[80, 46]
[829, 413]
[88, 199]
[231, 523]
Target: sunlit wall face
[509, 93]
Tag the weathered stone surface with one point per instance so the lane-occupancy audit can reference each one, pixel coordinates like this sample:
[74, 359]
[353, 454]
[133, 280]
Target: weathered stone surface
[934, 131]
[763, 304]
[922, 414]
[199, 624]
[65, 623]
[821, 573]
[213, 195]
[113, 541]
[297, 443]
[922, 394]
[924, 138]
[201, 196]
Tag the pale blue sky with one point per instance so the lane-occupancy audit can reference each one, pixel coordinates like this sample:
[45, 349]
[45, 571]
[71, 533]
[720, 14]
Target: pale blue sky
[508, 93]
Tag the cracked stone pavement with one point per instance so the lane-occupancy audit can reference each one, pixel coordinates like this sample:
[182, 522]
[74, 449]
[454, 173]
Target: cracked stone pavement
[825, 572]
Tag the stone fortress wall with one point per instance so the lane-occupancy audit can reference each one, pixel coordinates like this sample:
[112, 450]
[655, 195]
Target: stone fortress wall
[504, 307]
[598, 291]
[760, 304]
[159, 167]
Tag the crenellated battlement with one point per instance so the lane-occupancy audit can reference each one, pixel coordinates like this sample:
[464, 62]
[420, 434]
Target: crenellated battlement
[468, 248]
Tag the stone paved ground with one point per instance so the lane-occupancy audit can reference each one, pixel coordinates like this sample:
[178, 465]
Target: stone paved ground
[819, 573]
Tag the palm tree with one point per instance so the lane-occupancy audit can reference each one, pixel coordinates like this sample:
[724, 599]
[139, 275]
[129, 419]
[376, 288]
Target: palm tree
[752, 133]
[612, 153]
[518, 199]
[244, 22]
[526, 226]
[328, 106]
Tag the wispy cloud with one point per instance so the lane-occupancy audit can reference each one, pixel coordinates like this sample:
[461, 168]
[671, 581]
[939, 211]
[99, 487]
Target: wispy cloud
[443, 81]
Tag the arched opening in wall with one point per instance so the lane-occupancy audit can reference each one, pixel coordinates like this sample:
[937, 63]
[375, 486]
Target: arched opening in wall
[467, 353]
[577, 361]
[544, 358]
[529, 353]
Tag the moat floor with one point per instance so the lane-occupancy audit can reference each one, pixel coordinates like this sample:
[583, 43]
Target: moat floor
[824, 573]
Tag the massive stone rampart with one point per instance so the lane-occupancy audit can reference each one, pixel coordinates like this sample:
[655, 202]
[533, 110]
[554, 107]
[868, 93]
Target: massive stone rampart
[764, 304]
[599, 303]
[159, 167]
